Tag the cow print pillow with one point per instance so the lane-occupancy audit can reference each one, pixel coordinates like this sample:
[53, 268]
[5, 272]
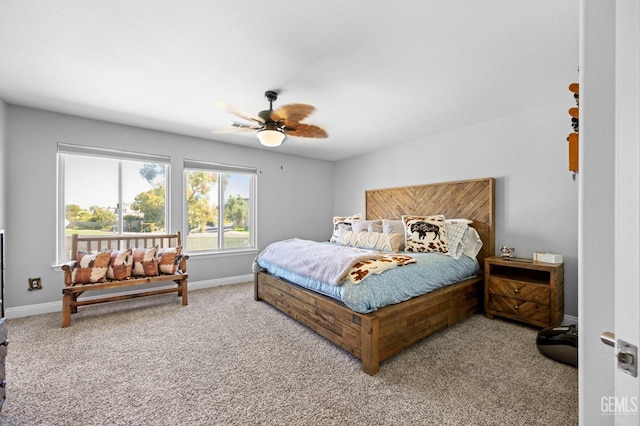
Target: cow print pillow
[169, 260]
[341, 224]
[90, 268]
[425, 234]
[145, 262]
[120, 265]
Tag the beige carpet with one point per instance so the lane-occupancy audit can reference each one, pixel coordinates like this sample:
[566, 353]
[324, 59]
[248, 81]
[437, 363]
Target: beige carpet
[226, 359]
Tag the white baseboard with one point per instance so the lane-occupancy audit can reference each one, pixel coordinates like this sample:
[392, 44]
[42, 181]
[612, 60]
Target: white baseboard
[220, 281]
[48, 307]
[45, 308]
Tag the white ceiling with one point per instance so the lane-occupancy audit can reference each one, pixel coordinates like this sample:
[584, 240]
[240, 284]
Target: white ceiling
[379, 72]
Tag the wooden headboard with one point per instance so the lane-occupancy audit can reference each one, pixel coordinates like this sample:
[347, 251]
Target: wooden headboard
[469, 199]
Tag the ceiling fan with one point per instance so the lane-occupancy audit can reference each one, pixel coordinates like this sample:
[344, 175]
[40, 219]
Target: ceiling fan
[271, 126]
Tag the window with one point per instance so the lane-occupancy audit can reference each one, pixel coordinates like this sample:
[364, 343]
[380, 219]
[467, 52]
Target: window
[219, 204]
[109, 192]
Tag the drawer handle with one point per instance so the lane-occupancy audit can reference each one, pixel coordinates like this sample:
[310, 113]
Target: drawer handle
[5, 343]
[3, 384]
[517, 290]
[517, 306]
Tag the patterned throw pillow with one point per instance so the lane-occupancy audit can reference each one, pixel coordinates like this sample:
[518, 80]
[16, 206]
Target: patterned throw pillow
[425, 234]
[168, 260]
[145, 262]
[345, 221]
[90, 268]
[120, 265]
[456, 232]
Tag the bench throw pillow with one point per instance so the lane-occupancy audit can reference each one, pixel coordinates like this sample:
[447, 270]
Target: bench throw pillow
[120, 265]
[145, 262]
[90, 268]
[168, 260]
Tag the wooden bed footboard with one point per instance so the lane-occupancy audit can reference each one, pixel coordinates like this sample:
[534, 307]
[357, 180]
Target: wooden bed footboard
[375, 336]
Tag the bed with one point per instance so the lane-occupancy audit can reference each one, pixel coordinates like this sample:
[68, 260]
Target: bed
[375, 336]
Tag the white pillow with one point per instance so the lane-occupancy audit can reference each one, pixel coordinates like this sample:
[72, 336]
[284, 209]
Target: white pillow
[472, 243]
[365, 225]
[465, 221]
[392, 226]
[373, 240]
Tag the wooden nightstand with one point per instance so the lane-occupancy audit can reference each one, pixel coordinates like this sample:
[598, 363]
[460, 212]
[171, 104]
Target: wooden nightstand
[524, 290]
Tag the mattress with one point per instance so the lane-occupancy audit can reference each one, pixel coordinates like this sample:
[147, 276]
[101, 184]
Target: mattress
[430, 272]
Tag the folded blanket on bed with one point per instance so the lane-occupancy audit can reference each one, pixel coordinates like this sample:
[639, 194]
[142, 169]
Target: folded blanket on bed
[321, 261]
[361, 270]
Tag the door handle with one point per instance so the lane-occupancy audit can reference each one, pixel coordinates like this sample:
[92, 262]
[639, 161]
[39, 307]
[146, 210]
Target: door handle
[626, 353]
[608, 338]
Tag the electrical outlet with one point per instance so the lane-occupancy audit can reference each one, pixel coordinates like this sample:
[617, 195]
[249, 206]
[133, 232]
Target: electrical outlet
[35, 284]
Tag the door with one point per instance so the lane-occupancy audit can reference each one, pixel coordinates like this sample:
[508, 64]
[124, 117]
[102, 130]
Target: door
[626, 403]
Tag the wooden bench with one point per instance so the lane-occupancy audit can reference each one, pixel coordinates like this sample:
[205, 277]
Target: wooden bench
[93, 243]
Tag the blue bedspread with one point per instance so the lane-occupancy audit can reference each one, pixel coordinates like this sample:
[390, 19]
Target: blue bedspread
[430, 272]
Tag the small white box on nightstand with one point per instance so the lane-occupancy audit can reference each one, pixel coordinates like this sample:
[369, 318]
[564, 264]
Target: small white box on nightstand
[542, 256]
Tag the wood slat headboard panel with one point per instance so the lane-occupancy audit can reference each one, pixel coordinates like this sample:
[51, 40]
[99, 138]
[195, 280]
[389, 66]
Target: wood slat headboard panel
[470, 199]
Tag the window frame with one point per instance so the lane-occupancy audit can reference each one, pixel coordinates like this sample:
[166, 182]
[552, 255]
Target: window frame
[113, 154]
[190, 165]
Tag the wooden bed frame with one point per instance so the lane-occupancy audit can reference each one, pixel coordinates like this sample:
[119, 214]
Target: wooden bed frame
[376, 336]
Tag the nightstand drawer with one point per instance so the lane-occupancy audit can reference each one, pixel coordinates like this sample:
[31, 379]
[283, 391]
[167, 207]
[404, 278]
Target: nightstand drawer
[526, 310]
[519, 290]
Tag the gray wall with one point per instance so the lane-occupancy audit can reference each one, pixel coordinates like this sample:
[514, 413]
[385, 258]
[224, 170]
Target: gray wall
[536, 197]
[293, 200]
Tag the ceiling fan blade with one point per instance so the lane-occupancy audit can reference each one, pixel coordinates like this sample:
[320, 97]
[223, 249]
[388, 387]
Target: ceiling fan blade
[306, 131]
[239, 113]
[240, 125]
[243, 129]
[292, 112]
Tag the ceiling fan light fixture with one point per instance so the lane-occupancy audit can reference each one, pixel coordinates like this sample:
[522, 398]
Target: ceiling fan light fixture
[272, 127]
[270, 137]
